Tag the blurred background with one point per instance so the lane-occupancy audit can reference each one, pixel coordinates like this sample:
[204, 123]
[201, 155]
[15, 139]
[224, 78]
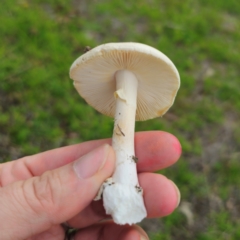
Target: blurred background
[41, 110]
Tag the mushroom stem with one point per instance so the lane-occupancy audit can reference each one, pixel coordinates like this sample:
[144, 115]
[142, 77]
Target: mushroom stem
[122, 195]
[124, 128]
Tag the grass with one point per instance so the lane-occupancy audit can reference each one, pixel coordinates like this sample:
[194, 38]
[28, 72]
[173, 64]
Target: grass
[40, 109]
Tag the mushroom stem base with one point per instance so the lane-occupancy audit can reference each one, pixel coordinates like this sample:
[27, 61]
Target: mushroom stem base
[124, 203]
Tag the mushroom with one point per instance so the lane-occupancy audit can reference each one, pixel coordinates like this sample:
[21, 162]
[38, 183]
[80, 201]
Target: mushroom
[127, 81]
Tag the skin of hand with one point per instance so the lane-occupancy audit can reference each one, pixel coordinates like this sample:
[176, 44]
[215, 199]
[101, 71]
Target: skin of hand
[39, 192]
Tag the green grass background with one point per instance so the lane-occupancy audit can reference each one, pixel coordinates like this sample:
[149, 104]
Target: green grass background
[40, 109]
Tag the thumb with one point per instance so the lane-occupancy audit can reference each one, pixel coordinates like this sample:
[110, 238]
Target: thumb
[32, 206]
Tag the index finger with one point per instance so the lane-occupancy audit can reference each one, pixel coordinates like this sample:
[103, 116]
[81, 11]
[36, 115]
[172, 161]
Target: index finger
[155, 150]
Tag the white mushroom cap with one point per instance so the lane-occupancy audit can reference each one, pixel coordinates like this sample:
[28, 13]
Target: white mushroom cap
[158, 79]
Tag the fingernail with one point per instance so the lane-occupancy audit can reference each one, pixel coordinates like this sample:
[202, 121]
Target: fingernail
[92, 162]
[142, 234]
[178, 193]
[143, 238]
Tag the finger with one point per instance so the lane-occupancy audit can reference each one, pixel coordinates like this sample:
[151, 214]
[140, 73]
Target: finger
[109, 230]
[42, 202]
[161, 197]
[155, 150]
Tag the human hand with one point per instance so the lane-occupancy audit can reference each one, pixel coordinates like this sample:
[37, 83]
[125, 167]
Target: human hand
[40, 192]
